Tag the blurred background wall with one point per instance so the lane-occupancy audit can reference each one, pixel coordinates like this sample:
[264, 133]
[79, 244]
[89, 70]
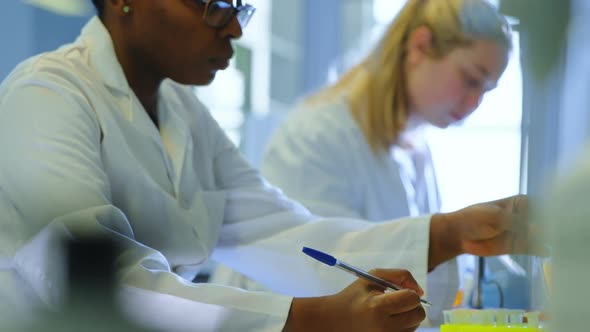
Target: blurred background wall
[26, 30]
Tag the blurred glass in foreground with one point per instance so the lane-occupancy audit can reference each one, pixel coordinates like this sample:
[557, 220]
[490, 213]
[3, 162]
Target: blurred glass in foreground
[89, 303]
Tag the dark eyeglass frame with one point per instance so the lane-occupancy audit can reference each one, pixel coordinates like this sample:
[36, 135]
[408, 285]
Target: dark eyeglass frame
[241, 10]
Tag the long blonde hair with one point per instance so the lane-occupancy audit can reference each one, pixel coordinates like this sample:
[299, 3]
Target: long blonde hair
[376, 87]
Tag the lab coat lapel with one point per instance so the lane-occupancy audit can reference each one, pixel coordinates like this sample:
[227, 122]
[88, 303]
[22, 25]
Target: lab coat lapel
[104, 59]
[397, 185]
[176, 138]
[434, 202]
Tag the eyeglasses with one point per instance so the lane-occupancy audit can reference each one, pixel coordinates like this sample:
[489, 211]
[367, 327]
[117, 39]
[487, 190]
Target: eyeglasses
[218, 13]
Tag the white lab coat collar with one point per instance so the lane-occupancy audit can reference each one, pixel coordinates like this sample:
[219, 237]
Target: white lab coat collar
[173, 137]
[103, 57]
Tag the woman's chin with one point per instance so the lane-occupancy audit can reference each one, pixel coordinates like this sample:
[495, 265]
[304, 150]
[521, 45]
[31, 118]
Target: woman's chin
[205, 79]
[199, 79]
[440, 124]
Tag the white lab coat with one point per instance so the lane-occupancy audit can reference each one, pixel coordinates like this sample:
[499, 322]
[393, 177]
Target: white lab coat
[320, 157]
[79, 154]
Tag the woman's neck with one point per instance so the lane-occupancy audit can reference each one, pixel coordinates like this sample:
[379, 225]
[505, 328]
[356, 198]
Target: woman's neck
[145, 86]
[414, 123]
[147, 93]
[141, 77]
[413, 135]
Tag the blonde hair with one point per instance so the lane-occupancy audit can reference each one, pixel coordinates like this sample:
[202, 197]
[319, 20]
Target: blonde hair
[376, 87]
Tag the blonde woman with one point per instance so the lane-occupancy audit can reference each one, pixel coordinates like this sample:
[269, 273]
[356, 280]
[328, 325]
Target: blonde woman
[356, 148]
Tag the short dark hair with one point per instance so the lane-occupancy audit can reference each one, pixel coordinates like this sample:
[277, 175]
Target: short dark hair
[99, 5]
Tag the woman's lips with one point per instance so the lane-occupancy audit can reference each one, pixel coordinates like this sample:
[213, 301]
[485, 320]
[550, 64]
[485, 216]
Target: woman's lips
[457, 116]
[219, 63]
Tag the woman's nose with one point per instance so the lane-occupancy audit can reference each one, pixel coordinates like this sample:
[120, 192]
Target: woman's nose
[232, 30]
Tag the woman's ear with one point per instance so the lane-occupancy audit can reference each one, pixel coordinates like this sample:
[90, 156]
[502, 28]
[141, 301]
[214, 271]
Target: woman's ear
[119, 7]
[419, 45]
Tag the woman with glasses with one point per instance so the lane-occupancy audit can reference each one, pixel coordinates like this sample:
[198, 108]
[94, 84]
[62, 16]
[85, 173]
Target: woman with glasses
[357, 149]
[105, 135]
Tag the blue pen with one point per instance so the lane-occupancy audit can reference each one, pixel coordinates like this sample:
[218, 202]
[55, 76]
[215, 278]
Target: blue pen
[332, 261]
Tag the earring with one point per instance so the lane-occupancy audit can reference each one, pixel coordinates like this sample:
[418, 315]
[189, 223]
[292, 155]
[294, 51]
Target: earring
[126, 9]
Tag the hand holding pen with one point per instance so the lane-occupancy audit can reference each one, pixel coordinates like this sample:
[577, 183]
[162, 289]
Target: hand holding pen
[332, 261]
[362, 306]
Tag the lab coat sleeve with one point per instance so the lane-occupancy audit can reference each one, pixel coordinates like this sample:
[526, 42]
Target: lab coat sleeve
[53, 186]
[264, 232]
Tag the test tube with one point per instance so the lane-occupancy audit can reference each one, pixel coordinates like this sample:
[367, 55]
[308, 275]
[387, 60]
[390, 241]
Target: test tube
[490, 318]
[448, 317]
[515, 317]
[483, 317]
[501, 317]
[532, 318]
[462, 316]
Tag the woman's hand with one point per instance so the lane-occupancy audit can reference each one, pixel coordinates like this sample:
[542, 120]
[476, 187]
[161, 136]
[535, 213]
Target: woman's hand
[362, 306]
[484, 229]
[496, 228]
